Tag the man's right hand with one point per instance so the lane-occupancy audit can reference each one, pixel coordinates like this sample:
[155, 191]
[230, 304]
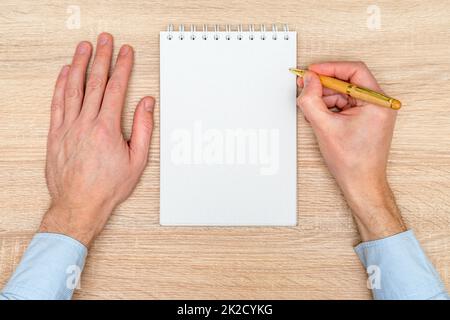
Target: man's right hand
[355, 144]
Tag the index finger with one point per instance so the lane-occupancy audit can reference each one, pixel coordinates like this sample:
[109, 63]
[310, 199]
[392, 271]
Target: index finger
[116, 88]
[354, 72]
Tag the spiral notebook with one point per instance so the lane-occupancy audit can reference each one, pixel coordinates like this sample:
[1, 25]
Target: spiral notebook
[228, 127]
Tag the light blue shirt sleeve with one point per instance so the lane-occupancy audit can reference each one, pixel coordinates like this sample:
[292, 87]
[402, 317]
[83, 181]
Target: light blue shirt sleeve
[398, 269]
[49, 270]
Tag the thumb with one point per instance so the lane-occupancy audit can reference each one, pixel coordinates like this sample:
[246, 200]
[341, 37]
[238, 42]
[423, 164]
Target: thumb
[310, 100]
[141, 133]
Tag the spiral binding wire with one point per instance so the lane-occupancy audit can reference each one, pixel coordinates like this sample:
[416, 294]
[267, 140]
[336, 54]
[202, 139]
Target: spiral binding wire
[274, 32]
[251, 29]
[216, 29]
[239, 36]
[205, 32]
[228, 32]
[181, 32]
[193, 30]
[169, 31]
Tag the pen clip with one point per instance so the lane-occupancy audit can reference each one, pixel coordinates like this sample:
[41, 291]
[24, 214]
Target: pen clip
[393, 103]
[371, 92]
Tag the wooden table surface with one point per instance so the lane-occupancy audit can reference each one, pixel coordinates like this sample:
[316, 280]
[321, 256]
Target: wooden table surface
[405, 43]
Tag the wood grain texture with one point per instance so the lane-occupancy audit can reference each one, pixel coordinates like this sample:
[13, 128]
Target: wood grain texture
[136, 258]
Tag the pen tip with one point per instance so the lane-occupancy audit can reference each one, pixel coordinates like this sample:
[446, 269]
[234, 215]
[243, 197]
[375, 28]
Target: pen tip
[297, 72]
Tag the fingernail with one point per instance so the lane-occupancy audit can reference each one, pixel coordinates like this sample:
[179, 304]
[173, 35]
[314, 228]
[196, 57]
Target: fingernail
[149, 104]
[124, 50]
[83, 47]
[65, 70]
[306, 79]
[103, 39]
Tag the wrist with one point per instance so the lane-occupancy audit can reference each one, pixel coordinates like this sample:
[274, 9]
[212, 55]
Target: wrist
[375, 211]
[82, 224]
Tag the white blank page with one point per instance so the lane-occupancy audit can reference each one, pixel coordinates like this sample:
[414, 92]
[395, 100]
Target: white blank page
[228, 130]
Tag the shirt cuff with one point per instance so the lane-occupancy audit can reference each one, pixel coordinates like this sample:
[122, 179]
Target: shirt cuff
[50, 269]
[399, 269]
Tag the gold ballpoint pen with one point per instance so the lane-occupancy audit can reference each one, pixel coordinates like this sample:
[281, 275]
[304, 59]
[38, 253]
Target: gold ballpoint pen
[354, 91]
